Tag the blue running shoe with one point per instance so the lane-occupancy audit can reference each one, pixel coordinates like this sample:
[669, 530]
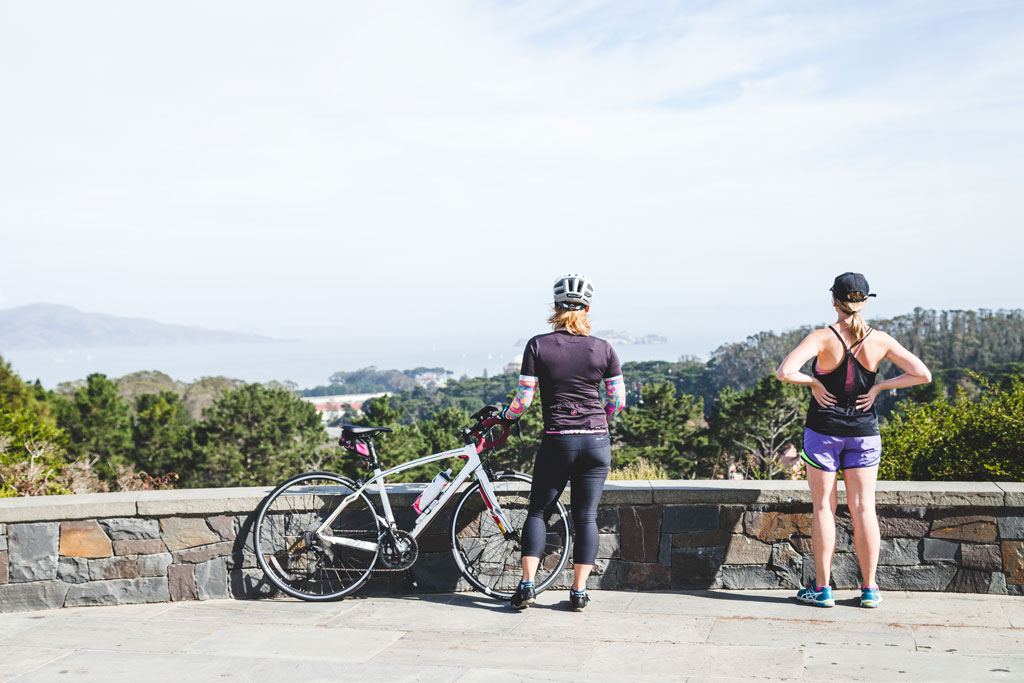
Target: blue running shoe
[821, 597]
[869, 597]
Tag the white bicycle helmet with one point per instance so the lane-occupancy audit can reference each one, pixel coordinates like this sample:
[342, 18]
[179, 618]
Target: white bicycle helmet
[573, 291]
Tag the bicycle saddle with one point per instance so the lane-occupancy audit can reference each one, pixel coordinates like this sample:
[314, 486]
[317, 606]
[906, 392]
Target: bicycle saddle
[353, 430]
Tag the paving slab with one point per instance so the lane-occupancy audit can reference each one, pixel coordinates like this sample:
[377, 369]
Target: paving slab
[499, 652]
[835, 665]
[294, 642]
[624, 636]
[682, 660]
[15, 661]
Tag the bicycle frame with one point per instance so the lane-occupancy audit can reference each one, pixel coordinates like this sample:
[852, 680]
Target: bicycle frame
[474, 466]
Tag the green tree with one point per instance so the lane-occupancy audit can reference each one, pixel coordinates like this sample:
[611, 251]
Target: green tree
[972, 438]
[255, 436]
[755, 427]
[99, 425]
[665, 429]
[162, 435]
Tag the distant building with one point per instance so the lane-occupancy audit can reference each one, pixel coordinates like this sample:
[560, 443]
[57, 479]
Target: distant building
[333, 407]
[514, 367]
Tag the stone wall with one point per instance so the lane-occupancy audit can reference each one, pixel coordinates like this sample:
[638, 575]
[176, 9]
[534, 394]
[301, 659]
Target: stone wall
[196, 545]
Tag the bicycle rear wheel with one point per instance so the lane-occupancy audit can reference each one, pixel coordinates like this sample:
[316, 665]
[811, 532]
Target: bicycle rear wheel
[294, 558]
[489, 560]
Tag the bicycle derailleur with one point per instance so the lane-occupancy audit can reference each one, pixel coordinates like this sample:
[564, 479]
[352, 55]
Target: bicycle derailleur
[398, 550]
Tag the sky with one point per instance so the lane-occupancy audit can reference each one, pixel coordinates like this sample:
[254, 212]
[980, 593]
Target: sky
[326, 170]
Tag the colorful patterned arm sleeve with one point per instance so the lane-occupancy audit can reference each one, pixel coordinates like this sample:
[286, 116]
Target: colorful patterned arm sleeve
[524, 397]
[616, 388]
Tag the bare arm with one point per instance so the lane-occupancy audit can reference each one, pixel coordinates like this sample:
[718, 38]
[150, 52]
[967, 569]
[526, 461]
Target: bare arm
[789, 370]
[914, 372]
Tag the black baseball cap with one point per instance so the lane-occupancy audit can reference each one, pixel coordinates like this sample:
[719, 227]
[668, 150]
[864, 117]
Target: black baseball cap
[848, 283]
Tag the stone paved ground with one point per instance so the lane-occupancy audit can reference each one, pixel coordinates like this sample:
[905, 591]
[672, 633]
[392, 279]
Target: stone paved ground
[693, 636]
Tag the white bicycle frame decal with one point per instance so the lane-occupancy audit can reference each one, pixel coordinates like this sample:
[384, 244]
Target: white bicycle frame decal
[473, 466]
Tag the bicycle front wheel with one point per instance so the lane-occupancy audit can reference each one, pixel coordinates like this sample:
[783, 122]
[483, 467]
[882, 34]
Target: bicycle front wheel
[488, 559]
[300, 562]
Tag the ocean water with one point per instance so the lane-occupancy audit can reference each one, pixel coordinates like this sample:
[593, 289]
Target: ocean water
[306, 363]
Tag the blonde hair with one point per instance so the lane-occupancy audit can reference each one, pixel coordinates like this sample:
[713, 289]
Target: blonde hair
[573, 322]
[852, 308]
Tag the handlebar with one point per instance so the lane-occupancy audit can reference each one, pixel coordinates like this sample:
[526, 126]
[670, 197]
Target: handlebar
[486, 418]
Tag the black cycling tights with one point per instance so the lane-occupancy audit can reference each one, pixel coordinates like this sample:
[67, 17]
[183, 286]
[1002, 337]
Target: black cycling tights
[582, 459]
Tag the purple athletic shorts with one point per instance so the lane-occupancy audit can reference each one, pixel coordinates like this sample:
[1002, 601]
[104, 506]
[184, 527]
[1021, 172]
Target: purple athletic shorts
[831, 453]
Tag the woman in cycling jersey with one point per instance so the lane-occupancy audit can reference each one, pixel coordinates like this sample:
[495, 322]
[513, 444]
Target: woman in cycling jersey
[569, 366]
[842, 429]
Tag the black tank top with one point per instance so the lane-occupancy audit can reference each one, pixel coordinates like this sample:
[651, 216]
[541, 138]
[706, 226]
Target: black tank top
[846, 383]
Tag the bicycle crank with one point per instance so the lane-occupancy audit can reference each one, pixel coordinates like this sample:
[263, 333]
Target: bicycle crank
[398, 551]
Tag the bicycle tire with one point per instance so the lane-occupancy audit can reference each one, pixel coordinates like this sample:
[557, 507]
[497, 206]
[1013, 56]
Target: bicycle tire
[489, 561]
[294, 560]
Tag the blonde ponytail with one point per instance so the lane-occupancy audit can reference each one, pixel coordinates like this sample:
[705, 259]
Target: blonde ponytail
[573, 322]
[852, 308]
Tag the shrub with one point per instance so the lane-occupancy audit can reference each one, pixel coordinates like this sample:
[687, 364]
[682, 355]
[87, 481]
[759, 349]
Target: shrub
[976, 438]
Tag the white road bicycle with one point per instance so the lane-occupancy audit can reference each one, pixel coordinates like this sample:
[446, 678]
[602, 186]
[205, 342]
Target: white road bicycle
[318, 536]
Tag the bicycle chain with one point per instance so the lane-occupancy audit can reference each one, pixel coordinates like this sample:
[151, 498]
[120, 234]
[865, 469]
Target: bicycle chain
[415, 557]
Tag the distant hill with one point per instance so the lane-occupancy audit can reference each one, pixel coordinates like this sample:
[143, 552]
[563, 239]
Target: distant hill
[40, 326]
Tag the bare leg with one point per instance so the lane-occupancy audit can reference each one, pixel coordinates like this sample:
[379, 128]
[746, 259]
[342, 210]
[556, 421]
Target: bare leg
[823, 522]
[580, 574]
[530, 567]
[860, 497]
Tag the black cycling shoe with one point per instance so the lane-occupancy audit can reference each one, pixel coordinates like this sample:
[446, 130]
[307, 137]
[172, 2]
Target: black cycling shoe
[524, 597]
[578, 601]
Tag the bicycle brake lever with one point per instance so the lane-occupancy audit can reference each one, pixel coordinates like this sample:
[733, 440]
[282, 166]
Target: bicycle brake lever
[519, 430]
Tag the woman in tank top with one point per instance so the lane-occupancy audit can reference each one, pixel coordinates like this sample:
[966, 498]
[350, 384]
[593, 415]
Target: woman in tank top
[842, 429]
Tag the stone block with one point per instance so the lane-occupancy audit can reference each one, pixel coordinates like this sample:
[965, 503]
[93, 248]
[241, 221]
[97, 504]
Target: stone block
[249, 584]
[746, 550]
[845, 571]
[700, 539]
[212, 579]
[73, 569]
[748, 577]
[933, 577]
[940, 550]
[141, 546]
[997, 586]
[801, 544]
[639, 533]
[644, 576]
[960, 527]
[130, 528]
[684, 518]
[19, 597]
[205, 553]
[186, 532]
[903, 523]
[118, 592]
[113, 568]
[437, 572]
[987, 557]
[787, 564]
[697, 567]
[154, 565]
[1013, 493]
[730, 518]
[84, 539]
[970, 581]
[223, 525]
[607, 545]
[776, 526]
[5, 574]
[608, 580]
[181, 580]
[1010, 528]
[3, 537]
[32, 551]
[608, 519]
[844, 539]
[900, 551]
[428, 543]
[1013, 562]
[627, 493]
[665, 550]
